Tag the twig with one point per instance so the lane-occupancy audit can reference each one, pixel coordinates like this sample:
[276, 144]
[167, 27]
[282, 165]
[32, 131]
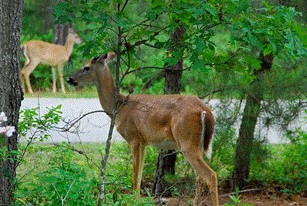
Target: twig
[68, 126]
[82, 153]
[140, 42]
[63, 199]
[241, 191]
[125, 4]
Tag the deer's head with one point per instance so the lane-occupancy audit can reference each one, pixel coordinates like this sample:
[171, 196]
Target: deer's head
[88, 74]
[73, 36]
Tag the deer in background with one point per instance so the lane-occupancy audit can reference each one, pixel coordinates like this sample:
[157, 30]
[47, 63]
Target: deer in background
[39, 52]
[164, 121]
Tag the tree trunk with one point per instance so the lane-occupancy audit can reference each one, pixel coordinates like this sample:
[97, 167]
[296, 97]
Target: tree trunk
[10, 93]
[60, 33]
[48, 16]
[167, 158]
[249, 120]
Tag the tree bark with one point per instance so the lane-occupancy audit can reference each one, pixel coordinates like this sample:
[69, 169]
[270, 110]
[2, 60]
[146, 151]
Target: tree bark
[48, 16]
[10, 92]
[61, 31]
[249, 120]
[167, 158]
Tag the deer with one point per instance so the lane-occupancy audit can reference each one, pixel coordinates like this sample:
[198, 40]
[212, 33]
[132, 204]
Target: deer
[173, 121]
[39, 52]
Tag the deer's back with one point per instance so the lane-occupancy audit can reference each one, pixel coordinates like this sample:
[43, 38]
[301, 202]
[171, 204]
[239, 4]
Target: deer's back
[158, 118]
[46, 53]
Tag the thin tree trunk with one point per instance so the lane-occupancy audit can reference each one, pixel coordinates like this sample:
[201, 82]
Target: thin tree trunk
[105, 158]
[61, 31]
[48, 16]
[10, 93]
[167, 158]
[249, 120]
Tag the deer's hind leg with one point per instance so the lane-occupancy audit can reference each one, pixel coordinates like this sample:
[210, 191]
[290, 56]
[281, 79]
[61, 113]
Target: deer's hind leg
[205, 173]
[25, 75]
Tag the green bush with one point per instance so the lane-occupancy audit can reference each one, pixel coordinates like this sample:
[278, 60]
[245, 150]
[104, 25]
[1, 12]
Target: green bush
[286, 166]
[61, 182]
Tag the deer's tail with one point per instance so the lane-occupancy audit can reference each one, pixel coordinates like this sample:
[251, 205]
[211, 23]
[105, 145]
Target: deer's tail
[24, 52]
[207, 121]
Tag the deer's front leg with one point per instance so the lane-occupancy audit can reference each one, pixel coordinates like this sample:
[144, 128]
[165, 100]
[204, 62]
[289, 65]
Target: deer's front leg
[61, 73]
[138, 157]
[53, 79]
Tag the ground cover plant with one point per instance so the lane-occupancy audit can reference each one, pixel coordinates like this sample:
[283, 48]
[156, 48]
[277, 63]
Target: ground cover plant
[68, 174]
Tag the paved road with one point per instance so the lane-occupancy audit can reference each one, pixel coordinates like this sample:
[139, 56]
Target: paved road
[92, 128]
[95, 127]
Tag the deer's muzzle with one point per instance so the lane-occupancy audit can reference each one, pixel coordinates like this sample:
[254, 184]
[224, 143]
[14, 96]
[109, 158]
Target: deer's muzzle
[72, 82]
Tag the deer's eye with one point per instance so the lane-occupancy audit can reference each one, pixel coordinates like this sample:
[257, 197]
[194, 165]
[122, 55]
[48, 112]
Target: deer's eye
[86, 68]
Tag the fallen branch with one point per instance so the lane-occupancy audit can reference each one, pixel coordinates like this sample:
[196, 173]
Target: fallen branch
[241, 191]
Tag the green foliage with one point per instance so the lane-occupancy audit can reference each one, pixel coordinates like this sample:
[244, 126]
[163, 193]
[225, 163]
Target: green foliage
[37, 19]
[38, 126]
[236, 200]
[269, 29]
[64, 177]
[220, 36]
[286, 165]
[63, 182]
[60, 166]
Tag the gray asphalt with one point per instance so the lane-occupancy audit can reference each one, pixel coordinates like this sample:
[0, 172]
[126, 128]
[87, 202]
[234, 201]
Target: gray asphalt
[92, 128]
[95, 127]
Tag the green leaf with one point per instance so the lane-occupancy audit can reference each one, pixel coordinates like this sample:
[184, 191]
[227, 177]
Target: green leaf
[268, 50]
[211, 9]
[255, 41]
[200, 45]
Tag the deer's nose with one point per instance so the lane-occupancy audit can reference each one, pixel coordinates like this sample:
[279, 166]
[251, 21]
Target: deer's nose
[71, 81]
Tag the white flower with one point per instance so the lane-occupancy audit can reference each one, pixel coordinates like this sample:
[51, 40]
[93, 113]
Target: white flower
[7, 131]
[10, 130]
[2, 130]
[3, 117]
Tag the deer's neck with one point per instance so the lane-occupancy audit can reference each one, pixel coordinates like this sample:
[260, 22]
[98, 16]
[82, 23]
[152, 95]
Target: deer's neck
[106, 90]
[69, 44]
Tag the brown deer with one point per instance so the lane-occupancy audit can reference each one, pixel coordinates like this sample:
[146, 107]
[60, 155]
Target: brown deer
[39, 52]
[165, 121]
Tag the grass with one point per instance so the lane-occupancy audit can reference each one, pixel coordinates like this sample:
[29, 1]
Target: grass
[42, 159]
[47, 167]
[87, 92]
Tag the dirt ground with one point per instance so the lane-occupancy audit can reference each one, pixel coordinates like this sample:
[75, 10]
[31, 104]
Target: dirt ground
[263, 198]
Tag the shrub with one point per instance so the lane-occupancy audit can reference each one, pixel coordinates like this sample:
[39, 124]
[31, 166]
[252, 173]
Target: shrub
[62, 182]
[286, 166]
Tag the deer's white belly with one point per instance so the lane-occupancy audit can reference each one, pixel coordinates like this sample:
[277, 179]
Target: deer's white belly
[166, 144]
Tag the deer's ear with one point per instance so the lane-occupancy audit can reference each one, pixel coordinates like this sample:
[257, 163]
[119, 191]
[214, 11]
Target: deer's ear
[99, 58]
[104, 58]
[71, 31]
[111, 56]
